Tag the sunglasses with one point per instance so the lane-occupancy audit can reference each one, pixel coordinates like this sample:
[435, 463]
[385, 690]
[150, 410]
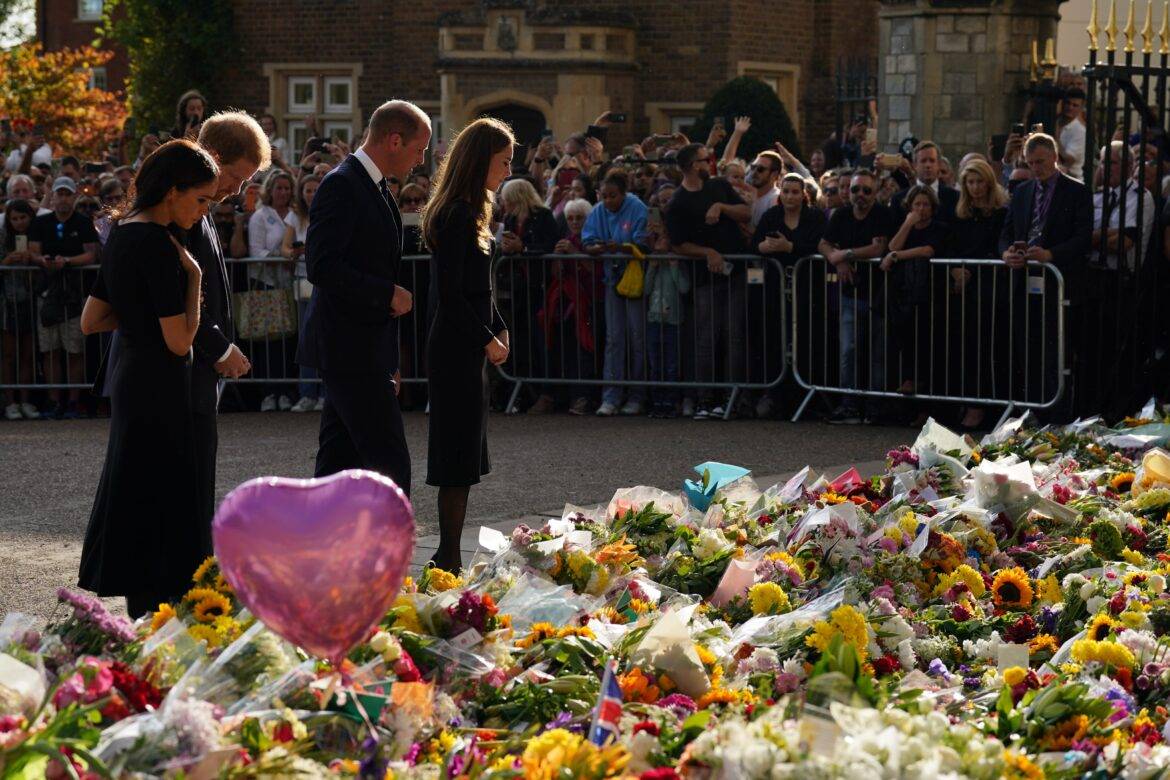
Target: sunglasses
[766, 168]
[858, 190]
[411, 201]
[832, 190]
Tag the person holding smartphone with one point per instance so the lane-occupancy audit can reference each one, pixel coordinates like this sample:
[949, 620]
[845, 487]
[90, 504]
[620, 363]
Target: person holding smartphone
[293, 247]
[17, 319]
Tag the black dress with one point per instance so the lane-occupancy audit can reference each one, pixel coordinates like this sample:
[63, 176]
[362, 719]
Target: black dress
[145, 538]
[464, 319]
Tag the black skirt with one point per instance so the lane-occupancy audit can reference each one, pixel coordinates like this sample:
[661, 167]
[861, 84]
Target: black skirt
[457, 387]
[145, 535]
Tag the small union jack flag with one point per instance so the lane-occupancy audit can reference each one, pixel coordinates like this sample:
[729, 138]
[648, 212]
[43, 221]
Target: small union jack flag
[609, 707]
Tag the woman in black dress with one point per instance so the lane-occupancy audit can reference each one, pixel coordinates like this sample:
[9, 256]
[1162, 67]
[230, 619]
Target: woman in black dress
[466, 328]
[144, 537]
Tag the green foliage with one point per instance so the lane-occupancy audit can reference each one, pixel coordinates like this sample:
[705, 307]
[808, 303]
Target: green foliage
[747, 96]
[173, 46]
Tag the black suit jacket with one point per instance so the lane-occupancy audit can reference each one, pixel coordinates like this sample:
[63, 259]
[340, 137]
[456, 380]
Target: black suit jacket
[948, 201]
[1068, 230]
[216, 329]
[354, 249]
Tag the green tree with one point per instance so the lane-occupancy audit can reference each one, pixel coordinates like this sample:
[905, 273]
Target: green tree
[747, 96]
[173, 46]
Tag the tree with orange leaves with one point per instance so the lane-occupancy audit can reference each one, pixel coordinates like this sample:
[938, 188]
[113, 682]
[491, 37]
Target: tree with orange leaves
[51, 89]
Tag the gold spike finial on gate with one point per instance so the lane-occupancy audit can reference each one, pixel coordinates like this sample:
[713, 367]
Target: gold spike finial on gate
[1034, 65]
[1093, 29]
[1164, 31]
[1148, 29]
[1111, 27]
[1130, 28]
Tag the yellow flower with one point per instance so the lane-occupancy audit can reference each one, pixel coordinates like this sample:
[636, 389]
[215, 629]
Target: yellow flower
[441, 580]
[964, 574]
[1133, 556]
[203, 569]
[558, 753]
[768, 598]
[1100, 627]
[845, 621]
[1110, 654]
[619, 553]
[829, 497]
[640, 607]
[165, 612]
[196, 595]
[537, 632]
[407, 615]
[210, 607]
[1043, 642]
[1017, 766]
[227, 628]
[1014, 675]
[1048, 590]
[1012, 588]
[723, 696]
[202, 633]
[1122, 482]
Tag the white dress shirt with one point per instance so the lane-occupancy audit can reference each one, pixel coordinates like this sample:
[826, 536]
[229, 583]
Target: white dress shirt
[370, 166]
[1072, 146]
[1131, 215]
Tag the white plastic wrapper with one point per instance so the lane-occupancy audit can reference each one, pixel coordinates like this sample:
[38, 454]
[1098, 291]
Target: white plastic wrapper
[669, 649]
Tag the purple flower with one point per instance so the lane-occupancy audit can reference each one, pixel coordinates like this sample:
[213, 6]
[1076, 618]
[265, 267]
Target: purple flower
[681, 704]
[560, 721]
[411, 757]
[937, 668]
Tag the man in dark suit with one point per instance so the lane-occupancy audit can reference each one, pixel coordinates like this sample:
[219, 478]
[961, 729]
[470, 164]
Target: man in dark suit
[350, 336]
[926, 169]
[241, 148]
[1050, 220]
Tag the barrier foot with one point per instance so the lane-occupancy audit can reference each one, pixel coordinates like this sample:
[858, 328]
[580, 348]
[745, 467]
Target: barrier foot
[511, 407]
[803, 405]
[731, 403]
[1007, 412]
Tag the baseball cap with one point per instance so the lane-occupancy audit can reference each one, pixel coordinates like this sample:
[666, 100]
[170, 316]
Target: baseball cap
[64, 183]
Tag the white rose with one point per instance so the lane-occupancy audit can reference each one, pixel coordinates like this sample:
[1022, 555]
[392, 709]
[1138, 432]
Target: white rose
[380, 642]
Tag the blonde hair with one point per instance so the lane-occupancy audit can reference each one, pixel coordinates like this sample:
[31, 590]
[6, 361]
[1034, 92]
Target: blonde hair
[234, 135]
[462, 176]
[996, 196]
[520, 196]
[270, 184]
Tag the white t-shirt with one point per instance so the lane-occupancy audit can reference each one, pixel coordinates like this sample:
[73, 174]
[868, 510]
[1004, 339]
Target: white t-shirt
[300, 233]
[762, 204]
[16, 157]
[1072, 146]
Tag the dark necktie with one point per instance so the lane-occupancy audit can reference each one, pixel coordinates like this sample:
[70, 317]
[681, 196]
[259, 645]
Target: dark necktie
[1039, 213]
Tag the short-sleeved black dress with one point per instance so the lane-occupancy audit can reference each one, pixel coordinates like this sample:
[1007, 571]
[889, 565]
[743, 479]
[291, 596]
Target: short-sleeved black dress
[144, 537]
[464, 319]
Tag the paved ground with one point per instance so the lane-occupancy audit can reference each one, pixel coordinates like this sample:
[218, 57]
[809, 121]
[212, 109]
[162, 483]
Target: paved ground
[51, 471]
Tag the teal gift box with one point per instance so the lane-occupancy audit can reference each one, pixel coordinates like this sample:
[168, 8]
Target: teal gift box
[715, 476]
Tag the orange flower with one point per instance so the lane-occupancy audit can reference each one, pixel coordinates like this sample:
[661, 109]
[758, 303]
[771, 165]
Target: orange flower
[636, 686]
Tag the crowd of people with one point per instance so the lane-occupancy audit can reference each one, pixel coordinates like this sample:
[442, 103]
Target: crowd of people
[704, 321]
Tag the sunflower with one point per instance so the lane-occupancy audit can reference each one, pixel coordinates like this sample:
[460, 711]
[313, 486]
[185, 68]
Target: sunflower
[1043, 643]
[161, 617]
[1122, 482]
[1017, 766]
[204, 568]
[210, 607]
[202, 633]
[1012, 588]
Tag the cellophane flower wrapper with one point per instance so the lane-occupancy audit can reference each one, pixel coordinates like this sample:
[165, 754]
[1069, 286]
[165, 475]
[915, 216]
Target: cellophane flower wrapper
[257, 659]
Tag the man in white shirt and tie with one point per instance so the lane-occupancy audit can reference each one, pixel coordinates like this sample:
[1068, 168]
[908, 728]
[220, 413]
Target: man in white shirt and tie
[1122, 233]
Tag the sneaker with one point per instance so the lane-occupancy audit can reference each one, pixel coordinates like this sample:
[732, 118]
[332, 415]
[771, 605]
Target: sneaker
[606, 410]
[720, 413]
[702, 412]
[268, 404]
[71, 412]
[844, 416]
[12, 412]
[580, 407]
[305, 404]
[688, 407]
[543, 405]
[285, 403]
[30, 411]
[633, 409]
[319, 406]
[765, 407]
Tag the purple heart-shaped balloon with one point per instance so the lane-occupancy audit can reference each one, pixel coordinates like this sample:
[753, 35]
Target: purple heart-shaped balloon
[318, 561]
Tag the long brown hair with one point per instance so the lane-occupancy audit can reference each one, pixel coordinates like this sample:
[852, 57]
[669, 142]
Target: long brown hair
[996, 197]
[462, 175]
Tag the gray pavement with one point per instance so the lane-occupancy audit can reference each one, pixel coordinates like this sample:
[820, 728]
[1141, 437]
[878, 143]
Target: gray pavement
[51, 470]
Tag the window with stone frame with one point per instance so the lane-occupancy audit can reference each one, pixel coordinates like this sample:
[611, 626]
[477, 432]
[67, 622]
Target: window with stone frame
[89, 10]
[328, 91]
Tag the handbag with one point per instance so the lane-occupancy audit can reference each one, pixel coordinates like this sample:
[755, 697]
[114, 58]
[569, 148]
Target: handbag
[265, 314]
[632, 281]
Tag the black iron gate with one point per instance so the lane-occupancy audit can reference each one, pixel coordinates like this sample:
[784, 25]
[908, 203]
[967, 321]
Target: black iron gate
[1120, 332]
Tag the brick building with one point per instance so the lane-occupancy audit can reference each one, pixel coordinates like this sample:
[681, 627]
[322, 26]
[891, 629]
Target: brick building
[537, 63]
[73, 23]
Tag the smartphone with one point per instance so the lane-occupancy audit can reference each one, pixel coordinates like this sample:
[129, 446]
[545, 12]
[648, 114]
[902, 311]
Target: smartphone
[998, 145]
[95, 168]
[565, 177]
[21, 243]
[250, 199]
[297, 244]
[616, 118]
[871, 135]
[411, 219]
[1020, 246]
[1038, 127]
[655, 215]
[315, 145]
[1018, 128]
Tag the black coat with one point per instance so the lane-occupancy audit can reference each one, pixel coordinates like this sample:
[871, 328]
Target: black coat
[216, 329]
[354, 251]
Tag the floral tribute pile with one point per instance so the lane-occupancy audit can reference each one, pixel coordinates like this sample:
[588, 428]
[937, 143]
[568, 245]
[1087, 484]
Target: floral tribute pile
[977, 610]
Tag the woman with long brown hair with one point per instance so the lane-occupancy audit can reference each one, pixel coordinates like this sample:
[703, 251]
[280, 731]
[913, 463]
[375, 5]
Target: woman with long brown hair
[466, 328]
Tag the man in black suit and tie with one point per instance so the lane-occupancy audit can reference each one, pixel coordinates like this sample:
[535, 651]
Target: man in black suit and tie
[241, 148]
[354, 248]
[1050, 220]
[926, 168]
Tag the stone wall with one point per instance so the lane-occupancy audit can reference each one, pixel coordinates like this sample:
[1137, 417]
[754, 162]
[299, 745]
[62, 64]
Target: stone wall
[954, 74]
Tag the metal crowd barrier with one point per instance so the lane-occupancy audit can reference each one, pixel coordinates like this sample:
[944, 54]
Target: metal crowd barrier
[726, 335]
[995, 337]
